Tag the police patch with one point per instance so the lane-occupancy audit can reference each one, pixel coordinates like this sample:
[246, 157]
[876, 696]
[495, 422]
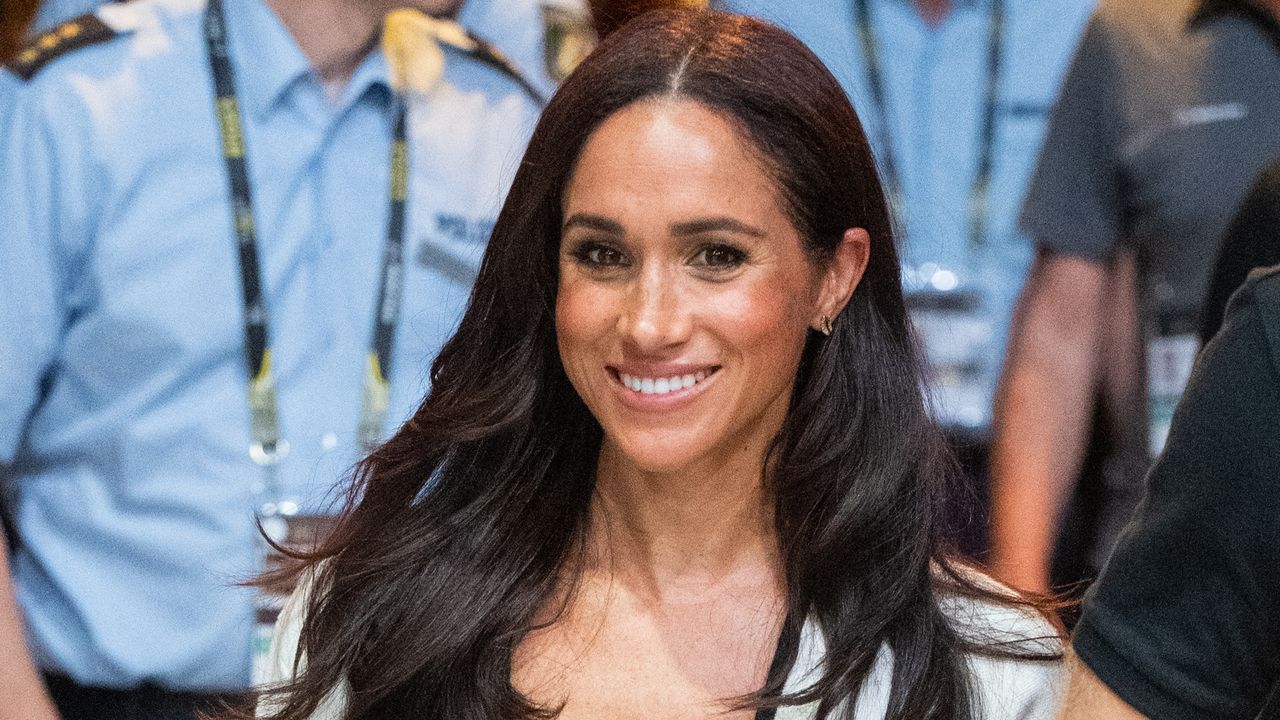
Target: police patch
[71, 35]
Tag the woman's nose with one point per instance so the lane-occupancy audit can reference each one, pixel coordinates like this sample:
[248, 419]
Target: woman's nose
[657, 315]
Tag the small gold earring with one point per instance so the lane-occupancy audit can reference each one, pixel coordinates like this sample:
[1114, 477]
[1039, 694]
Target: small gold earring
[824, 325]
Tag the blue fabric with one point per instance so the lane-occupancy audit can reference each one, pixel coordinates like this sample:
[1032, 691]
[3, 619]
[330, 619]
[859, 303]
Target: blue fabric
[124, 430]
[512, 20]
[52, 12]
[935, 84]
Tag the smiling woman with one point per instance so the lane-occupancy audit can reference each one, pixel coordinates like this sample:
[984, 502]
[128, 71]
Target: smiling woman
[675, 463]
[686, 294]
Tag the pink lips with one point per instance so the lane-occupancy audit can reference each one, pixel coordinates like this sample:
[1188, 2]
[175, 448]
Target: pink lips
[660, 387]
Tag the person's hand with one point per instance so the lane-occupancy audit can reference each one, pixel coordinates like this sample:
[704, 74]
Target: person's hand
[22, 693]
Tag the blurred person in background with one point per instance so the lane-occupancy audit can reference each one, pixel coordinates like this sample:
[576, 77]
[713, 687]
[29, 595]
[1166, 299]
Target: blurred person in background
[1170, 110]
[232, 237]
[544, 57]
[956, 97]
[1182, 624]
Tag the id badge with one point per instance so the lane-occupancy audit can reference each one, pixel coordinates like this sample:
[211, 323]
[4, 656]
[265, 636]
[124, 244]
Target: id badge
[1169, 362]
[956, 337]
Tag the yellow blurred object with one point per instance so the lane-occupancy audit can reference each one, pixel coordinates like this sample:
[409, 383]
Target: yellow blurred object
[567, 38]
[411, 41]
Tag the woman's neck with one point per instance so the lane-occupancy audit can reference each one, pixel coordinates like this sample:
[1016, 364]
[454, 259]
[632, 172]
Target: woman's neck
[683, 535]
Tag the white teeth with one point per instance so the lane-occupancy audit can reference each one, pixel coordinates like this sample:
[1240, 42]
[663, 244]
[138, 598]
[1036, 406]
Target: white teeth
[661, 386]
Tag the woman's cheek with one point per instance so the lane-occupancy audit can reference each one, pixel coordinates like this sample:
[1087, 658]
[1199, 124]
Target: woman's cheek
[582, 313]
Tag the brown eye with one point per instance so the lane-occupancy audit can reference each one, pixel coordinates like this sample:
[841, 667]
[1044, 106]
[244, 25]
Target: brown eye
[599, 255]
[719, 257]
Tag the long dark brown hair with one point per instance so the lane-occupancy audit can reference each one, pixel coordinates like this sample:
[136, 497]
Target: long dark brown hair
[461, 528]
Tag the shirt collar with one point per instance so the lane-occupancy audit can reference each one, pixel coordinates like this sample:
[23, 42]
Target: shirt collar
[259, 41]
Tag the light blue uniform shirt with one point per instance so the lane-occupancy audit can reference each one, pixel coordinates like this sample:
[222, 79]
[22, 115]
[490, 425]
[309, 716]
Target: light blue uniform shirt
[935, 81]
[124, 428]
[52, 12]
[511, 23]
[512, 20]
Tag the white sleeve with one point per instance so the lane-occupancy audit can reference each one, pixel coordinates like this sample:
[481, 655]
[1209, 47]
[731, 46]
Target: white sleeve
[1007, 688]
[1018, 689]
[284, 649]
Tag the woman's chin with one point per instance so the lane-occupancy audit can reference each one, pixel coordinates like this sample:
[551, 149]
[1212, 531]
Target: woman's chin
[655, 455]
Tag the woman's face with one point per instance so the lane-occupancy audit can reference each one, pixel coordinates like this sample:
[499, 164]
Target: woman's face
[685, 293]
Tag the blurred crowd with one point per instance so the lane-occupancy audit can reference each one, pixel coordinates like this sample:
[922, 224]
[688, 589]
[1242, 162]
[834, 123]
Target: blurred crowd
[234, 234]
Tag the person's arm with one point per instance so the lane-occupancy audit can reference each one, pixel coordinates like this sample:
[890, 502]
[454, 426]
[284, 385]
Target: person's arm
[22, 694]
[1122, 376]
[33, 189]
[1074, 212]
[1043, 405]
[1088, 698]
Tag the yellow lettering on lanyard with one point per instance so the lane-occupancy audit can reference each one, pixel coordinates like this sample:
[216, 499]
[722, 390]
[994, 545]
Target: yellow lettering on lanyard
[229, 119]
[399, 170]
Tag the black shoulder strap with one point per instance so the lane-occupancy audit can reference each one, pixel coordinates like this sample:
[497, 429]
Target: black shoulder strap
[71, 35]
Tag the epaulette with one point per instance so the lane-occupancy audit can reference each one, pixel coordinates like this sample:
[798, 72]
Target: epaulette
[71, 35]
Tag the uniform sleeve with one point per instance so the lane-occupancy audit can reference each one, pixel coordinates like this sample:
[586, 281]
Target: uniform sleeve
[33, 267]
[1073, 202]
[1184, 623]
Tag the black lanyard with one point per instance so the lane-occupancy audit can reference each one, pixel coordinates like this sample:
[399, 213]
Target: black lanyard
[981, 187]
[268, 446]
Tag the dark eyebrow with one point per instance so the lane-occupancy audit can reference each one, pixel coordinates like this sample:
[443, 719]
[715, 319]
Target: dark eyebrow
[700, 226]
[688, 227]
[593, 222]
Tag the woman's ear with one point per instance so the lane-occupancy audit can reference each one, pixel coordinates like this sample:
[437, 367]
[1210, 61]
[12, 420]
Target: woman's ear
[841, 277]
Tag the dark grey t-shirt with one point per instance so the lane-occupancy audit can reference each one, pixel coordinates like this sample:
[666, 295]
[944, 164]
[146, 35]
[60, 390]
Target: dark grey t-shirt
[1184, 623]
[1170, 110]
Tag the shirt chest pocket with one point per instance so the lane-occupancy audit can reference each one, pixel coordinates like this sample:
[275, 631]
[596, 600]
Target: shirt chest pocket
[443, 250]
